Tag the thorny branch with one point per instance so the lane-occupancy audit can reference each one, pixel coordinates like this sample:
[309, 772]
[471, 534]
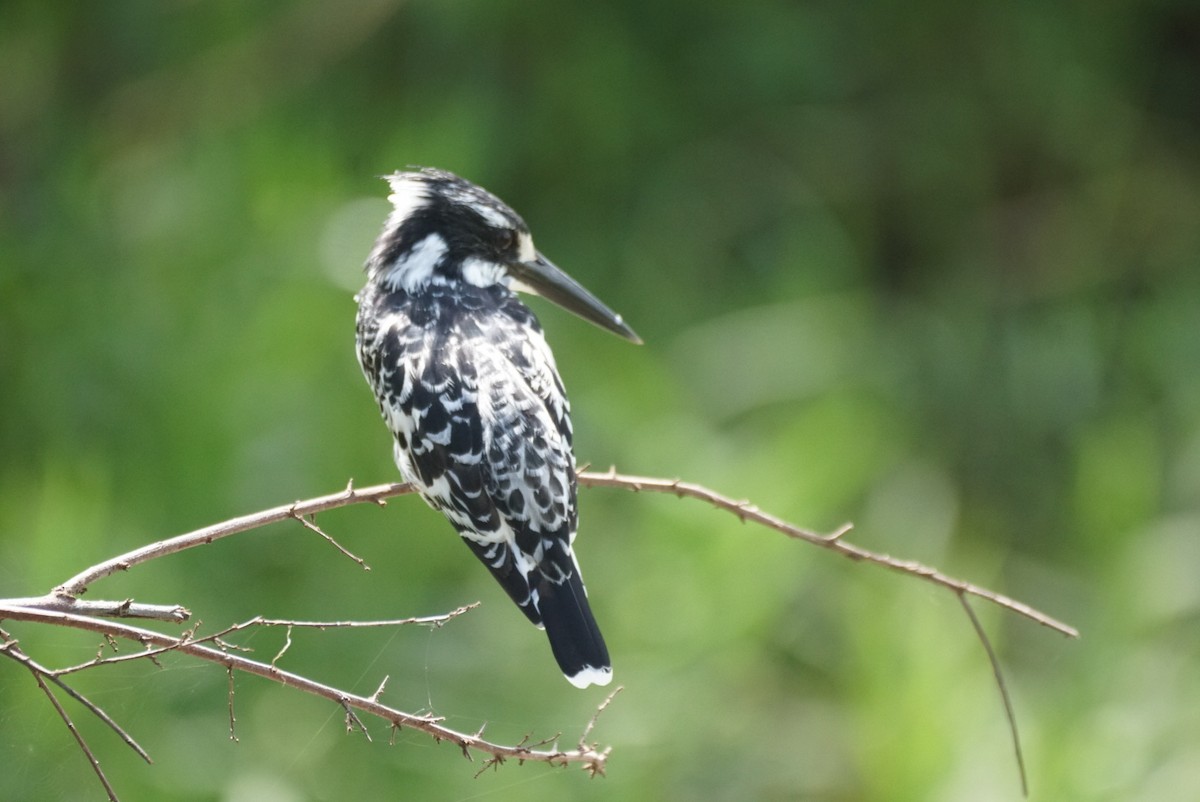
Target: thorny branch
[590, 758]
[77, 585]
[63, 607]
[834, 541]
[64, 595]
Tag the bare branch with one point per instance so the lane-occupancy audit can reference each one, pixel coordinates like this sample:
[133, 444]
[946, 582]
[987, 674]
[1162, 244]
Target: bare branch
[834, 542]
[107, 609]
[590, 759]
[745, 511]
[62, 607]
[78, 584]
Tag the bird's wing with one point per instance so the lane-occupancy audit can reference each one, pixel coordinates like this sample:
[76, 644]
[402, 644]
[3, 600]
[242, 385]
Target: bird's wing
[531, 479]
[528, 467]
[482, 427]
[429, 400]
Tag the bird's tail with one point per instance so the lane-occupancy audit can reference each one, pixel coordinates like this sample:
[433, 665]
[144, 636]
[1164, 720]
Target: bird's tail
[574, 637]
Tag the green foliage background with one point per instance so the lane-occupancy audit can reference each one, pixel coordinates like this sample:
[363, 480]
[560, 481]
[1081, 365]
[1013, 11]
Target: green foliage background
[931, 267]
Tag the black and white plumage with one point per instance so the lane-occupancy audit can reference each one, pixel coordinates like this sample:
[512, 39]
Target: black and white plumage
[469, 389]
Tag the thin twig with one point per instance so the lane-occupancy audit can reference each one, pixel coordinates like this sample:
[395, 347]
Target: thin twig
[188, 636]
[600, 709]
[379, 691]
[287, 644]
[434, 621]
[597, 768]
[353, 722]
[232, 718]
[11, 649]
[79, 739]
[1003, 687]
[311, 526]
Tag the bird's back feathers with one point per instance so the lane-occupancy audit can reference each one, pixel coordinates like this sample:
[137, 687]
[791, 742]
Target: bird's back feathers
[471, 393]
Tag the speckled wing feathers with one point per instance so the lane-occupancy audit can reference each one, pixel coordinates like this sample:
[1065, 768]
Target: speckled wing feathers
[482, 427]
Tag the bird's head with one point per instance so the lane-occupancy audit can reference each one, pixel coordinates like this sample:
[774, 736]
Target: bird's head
[446, 230]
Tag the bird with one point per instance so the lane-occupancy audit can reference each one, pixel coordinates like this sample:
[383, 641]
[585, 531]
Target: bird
[469, 389]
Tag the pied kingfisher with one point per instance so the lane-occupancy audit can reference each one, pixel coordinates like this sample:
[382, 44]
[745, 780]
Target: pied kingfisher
[469, 389]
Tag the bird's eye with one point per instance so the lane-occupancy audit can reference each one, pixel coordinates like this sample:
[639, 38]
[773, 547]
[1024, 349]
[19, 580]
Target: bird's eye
[506, 239]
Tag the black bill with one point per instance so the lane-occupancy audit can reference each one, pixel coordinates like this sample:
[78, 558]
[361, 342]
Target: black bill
[542, 278]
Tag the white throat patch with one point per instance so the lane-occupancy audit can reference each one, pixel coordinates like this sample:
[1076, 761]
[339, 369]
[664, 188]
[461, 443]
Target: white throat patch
[483, 272]
[414, 268]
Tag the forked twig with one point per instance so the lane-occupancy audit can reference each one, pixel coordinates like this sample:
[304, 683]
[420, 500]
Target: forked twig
[78, 736]
[77, 585]
[833, 542]
[10, 648]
